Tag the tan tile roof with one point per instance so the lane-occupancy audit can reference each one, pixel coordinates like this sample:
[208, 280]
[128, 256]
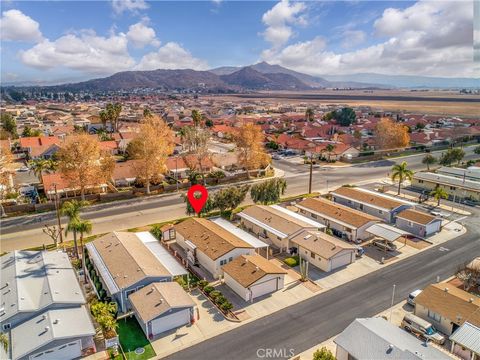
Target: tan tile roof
[338, 212]
[453, 304]
[247, 269]
[127, 259]
[367, 198]
[155, 299]
[210, 238]
[321, 243]
[416, 216]
[276, 219]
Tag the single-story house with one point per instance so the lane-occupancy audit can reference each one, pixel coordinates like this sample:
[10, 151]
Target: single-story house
[124, 173]
[344, 222]
[208, 244]
[162, 306]
[324, 251]
[125, 262]
[418, 223]
[376, 338]
[447, 307]
[63, 187]
[39, 146]
[466, 342]
[179, 167]
[252, 276]
[382, 206]
[454, 186]
[33, 282]
[471, 173]
[53, 335]
[275, 224]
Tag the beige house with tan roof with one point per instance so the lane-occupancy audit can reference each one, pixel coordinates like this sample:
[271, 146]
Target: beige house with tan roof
[276, 225]
[324, 251]
[161, 307]
[418, 223]
[345, 222]
[447, 307]
[126, 262]
[208, 244]
[380, 205]
[252, 276]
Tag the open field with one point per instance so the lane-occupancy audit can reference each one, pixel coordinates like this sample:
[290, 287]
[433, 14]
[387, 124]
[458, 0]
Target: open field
[431, 102]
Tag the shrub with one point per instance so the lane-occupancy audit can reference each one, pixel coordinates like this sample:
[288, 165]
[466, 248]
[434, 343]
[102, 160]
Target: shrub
[102, 294]
[202, 283]
[208, 289]
[77, 264]
[98, 285]
[226, 306]
[291, 261]
[220, 300]
[214, 294]
[156, 231]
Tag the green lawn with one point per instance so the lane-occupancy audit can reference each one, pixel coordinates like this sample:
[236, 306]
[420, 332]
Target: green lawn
[132, 337]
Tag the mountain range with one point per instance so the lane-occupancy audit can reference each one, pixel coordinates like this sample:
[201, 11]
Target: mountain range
[260, 76]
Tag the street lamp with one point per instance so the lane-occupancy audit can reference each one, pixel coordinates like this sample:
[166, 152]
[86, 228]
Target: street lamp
[391, 304]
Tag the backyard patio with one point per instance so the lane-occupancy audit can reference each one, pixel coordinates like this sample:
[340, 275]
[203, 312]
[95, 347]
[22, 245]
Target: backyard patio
[133, 341]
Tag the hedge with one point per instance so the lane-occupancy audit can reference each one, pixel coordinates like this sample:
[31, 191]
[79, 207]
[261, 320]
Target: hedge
[214, 294]
[208, 289]
[291, 261]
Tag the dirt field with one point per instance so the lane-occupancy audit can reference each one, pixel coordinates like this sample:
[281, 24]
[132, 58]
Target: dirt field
[403, 101]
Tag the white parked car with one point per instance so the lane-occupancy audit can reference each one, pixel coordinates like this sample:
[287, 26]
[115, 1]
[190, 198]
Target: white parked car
[411, 297]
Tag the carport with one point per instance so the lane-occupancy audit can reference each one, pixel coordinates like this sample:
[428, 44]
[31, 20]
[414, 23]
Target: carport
[386, 232]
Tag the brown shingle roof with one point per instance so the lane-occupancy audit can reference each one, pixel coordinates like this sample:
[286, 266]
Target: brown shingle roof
[210, 238]
[276, 219]
[247, 269]
[367, 198]
[416, 216]
[155, 299]
[338, 212]
[321, 243]
[127, 259]
[453, 304]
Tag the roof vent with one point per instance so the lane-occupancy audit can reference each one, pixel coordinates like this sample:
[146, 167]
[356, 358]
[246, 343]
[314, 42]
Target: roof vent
[47, 328]
[257, 268]
[446, 289]
[56, 321]
[470, 300]
[308, 237]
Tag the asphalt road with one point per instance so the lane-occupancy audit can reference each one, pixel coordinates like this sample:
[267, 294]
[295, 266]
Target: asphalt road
[308, 323]
[26, 231]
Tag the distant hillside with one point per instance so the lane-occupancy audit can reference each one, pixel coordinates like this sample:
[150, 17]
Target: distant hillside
[249, 78]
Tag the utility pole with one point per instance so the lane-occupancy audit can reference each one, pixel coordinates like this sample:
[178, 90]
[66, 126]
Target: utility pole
[57, 209]
[391, 304]
[311, 173]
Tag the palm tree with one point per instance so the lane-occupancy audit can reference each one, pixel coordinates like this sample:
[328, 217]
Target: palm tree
[439, 193]
[83, 227]
[196, 117]
[104, 118]
[71, 209]
[309, 114]
[400, 172]
[428, 160]
[4, 341]
[40, 166]
[329, 149]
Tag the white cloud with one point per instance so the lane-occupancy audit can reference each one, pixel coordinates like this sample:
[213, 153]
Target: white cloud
[141, 35]
[119, 6]
[171, 56]
[86, 52]
[352, 38]
[428, 38]
[279, 20]
[16, 26]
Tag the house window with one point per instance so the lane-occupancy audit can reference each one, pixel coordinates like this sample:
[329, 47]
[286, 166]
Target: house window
[349, 201]
[7, 326]
[264, 233]
[453, 188]
[223, 262]
[360, 206]
[312, 255]
[410, 224]
[334, 199]
[171, 234]
[420, 181]
[434, 316]
[380, 211]
[314, 216]
[279, 238]
[230, 259]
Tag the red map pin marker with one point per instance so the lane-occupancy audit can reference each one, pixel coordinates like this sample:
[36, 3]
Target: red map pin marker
[197, 202]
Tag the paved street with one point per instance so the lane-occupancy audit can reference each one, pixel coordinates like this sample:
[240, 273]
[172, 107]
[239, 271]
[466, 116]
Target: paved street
[312, 321]
[25, 231]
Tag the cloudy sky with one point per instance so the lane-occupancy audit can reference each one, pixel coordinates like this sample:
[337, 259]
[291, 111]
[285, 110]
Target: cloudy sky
[55, 41]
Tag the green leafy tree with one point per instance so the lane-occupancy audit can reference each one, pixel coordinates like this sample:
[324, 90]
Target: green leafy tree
[208, 123]
[345, 117]
[323, 354]
[207, 208]
[229, 198]
[451, 156]
[477, 150]
[9, 125]
[438, 194]
[196, 117]
[401, 173]
[329, 150]
[71, 209]
[428, 160]
[309, 114]
[104, 314]
[4, 341]
[268, 192]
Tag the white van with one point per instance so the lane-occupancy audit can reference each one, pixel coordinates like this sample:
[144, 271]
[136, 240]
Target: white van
[422, 328]
[411, 297]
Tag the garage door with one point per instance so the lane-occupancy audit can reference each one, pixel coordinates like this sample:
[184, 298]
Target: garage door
[341, 260]
[263, 288]
[71, 350]
[169, 322]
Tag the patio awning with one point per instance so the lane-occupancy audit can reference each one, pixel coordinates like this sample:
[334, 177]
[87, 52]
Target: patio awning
[102, 269]
[245, 236]
[386, 232]
[162, 254]
[299, 217]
